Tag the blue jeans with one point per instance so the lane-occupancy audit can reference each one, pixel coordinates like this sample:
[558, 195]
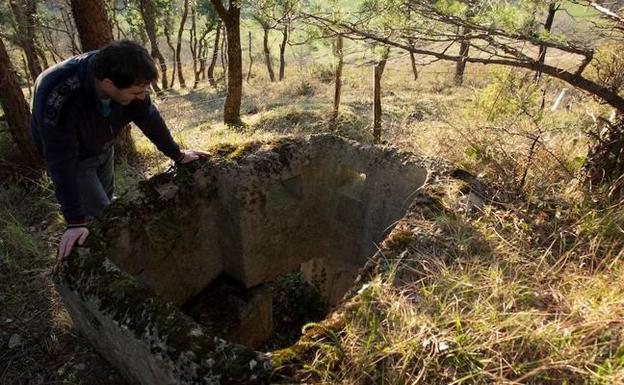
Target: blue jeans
[96, 181]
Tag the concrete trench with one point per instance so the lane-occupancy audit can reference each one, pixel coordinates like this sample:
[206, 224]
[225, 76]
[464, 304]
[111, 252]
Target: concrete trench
[320, 206]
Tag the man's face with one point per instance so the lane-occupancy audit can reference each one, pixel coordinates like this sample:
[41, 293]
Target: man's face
[124, 96]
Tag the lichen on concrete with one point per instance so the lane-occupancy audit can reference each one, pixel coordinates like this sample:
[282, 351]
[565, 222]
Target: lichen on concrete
[252, 212]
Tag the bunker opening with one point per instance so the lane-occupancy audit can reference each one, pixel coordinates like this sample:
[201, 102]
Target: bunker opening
[250, 244]
[317, 211]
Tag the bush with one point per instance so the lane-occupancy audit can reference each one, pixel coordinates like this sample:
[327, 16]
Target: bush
[304, 88]
[325, 73]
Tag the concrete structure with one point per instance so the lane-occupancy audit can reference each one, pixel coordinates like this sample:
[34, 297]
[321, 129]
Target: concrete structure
[253, 213]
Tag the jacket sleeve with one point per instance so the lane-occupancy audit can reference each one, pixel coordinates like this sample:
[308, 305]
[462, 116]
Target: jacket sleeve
[60, 151]
[145, 115]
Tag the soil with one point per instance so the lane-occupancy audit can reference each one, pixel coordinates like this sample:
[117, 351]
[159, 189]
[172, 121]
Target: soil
[42, 353]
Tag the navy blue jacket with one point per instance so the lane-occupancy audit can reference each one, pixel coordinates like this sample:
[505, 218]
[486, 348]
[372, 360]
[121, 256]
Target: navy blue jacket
[68, 126]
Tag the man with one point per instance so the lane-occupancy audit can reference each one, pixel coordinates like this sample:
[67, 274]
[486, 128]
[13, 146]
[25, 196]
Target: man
[79, 108]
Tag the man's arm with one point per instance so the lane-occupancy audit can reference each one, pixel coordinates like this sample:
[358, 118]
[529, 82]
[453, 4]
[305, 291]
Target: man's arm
[145, 115]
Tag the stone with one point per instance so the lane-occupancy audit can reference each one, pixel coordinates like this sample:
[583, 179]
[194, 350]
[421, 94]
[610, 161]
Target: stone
[15, 341]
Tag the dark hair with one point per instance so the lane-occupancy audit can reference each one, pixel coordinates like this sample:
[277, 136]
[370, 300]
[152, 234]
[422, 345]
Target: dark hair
[126, 63]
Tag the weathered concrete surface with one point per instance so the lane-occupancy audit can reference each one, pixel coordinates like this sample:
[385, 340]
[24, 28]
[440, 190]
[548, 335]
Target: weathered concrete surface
[253, 212]
[149, 340]
[263, 214]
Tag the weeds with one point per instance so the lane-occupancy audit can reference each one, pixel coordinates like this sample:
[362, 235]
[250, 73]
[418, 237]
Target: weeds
[529, 290]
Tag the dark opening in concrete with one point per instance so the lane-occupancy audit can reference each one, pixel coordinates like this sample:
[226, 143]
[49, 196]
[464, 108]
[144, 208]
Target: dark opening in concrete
[216, 236]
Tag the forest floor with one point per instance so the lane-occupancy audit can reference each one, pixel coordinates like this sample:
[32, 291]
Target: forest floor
[498, 125]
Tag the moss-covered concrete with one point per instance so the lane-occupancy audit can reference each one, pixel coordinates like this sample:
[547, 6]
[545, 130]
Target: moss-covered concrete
[253, 212]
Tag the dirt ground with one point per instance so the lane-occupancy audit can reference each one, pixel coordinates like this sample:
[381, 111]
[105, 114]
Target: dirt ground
[36, 350]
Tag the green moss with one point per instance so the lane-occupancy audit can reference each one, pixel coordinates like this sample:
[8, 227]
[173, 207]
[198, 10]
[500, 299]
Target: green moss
[399, 240]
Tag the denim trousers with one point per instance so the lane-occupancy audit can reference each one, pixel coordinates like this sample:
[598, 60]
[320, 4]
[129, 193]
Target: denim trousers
[96, 181]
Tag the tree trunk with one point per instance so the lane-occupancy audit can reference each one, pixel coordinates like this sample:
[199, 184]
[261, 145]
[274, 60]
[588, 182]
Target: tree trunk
[70, 28]
[24, 12]
[49, 45]
[250, 59]
[215, 55]
[464, 48]
[92, 24]
[231, 18]
[541, 58]
[338, 79]
[28, 80]
[203, 48]
[414, 67]
[179, 46]
[148, 14]
[16, 109]
[167, 32]
[224, 54]
[267, 53]
[193, 42]
[379, 69]
[282, 52]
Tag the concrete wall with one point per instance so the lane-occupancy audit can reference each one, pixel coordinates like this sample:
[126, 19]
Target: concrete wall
[253, 213]
[268, 213]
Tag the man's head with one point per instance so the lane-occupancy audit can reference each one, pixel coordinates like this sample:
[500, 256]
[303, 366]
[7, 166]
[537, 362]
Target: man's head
[123, 70]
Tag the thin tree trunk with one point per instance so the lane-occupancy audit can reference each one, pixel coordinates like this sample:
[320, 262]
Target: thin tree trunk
[250, 59]
[464, 49]
[70, 28]
[167, 33]
[49, 45]
[224, 54]
[414, 67]
[203, 48]
[379, 69]
[148, 13]
[28, 80]
[41, 53]
[179, 46]
[282, 52]
[16, 109]
[541, 58]
[24, 12]
[338, 78]
[267, 54]
[193, 42]
[231, 19]
[92, 24]
[215, 54]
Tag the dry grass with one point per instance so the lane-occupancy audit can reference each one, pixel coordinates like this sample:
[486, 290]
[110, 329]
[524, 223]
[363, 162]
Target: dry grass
[532, 290]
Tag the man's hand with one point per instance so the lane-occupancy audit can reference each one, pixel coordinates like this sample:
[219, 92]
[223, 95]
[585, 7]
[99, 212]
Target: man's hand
[191, 155]
[69, 238]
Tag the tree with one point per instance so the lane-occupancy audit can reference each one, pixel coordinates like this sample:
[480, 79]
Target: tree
[178, 51]
[541, 57]
[203, 21]
[215, 55]
[24, 12]
[503, 41]
[149, 14]
[274, 14]
[16, 109]
[261, 17]
[378, 73]
[436, 24]
[231, 18]
[338, 76]
[92, 24]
